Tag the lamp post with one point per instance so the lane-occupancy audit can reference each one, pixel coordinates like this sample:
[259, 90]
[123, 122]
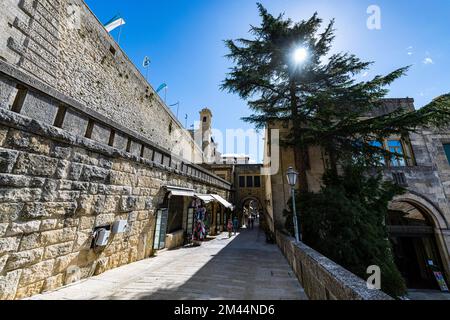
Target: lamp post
[292, 177]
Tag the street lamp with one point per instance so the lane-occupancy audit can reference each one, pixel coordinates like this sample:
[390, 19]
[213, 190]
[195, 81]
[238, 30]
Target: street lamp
[292, 177]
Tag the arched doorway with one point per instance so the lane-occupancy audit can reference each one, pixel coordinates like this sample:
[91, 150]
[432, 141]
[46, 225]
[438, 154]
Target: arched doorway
[415, 227]
[249, 205]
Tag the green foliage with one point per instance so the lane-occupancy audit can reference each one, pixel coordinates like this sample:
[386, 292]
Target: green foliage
[322, 96]
[345, 222]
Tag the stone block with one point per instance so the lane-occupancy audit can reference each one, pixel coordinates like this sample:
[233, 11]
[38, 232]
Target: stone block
[8, 92]
[122, 179]
[30, 241]
[3, 260]
[58, 250]
[100, 133]
[8, 159]
[3, 135]
[83, 241]
[157, 157]
[37, 272]
[19, 195]
[104, 220]
[36, 165]
[62, 263]
[75, 171]
[24, 259]
[120, 141]
[48, 224]
[9, 244]
[58, 236]
[40, 107]
[19, 228]
[75, 123]
[87, 222]
[135, 148]
[62, 169]
[3, 228]
[148, 153]
[53, 283]
[20, 181]
[85, 204]
[111, 204]
[28, 142]
[128, 204]
[94, 174]
[61, 152]
[8, 285]
[29, 290]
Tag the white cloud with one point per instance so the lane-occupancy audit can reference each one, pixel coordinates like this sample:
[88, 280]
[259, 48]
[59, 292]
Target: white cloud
[365, 74]
[410, 53]
[428, 61]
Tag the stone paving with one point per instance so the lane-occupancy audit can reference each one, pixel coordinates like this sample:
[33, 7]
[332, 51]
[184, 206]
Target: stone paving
[241, 268]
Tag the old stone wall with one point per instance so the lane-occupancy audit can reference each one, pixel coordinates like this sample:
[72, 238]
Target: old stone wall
[55, 188]
[66, 169]
[321, 278]
[62, 43]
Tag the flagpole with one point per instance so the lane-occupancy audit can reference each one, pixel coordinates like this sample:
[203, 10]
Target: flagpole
[120, 32]
[165, 94]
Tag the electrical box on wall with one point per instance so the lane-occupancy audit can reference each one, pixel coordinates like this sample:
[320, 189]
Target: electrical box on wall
[102, 237]
[119, 226]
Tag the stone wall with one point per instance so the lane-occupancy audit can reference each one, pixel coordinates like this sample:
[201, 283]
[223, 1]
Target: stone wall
[55, 188]
[323, 279]
[62, 43]
[65, 169]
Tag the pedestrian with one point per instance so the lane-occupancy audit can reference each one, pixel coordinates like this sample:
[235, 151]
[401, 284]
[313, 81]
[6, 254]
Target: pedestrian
[252, 221]
[230, 228]
[235, 225]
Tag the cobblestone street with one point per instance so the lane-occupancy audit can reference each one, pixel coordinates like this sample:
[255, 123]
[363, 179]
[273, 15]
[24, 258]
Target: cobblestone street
[241, 268]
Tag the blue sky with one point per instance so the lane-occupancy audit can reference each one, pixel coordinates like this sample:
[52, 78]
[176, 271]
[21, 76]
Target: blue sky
[184, 40]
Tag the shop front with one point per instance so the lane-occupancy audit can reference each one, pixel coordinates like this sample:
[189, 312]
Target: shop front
[187, 217]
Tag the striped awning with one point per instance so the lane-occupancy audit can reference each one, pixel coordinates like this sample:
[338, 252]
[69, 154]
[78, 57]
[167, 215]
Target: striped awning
[222, 201]
[180, 192]
[205, 197]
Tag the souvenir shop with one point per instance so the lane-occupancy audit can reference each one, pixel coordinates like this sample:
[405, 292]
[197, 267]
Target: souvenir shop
[186, 217]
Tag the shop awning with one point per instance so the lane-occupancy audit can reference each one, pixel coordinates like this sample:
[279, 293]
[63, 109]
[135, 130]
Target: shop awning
[205, 197]
[180, 192]
[222, 201]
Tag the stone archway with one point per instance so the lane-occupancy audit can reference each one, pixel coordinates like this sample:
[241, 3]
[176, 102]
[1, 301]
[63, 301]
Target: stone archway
[417, 231]
[247, 206]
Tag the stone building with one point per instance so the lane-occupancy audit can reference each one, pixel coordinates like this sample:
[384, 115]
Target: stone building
[95, 170]
[419, 220]
[203, 137]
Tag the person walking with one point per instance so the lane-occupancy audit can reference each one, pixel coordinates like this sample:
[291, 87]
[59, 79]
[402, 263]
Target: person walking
[235, 225]
[252, 221]
[230, 228]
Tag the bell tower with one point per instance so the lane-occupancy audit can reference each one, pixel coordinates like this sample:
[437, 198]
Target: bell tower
[206, 120]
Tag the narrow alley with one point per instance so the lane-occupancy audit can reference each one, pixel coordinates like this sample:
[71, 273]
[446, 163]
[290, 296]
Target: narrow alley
[241, 268]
